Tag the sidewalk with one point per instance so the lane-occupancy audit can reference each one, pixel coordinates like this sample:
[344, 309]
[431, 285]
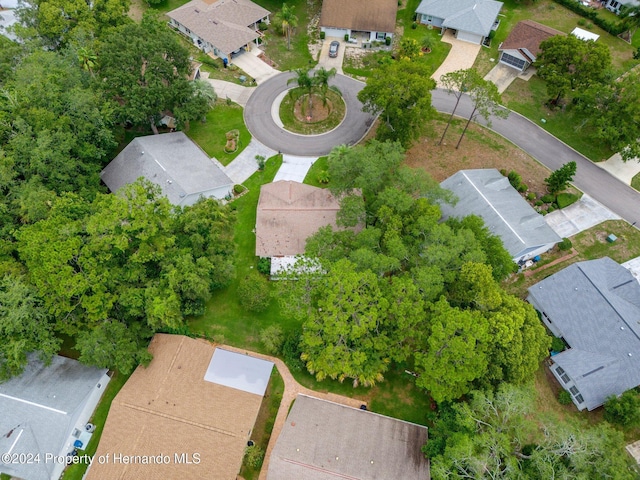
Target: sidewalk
[294, 168]
[245, 164]
[232, 91]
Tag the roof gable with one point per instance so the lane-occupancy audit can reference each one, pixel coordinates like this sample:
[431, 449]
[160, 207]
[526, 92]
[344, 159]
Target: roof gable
[475, 16]
[365, 15]
[527, 35]
[170, 160]
[488, 194]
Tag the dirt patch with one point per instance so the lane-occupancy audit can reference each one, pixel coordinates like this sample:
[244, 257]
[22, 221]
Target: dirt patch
[137, 9]
[480, 148]
[318, 112]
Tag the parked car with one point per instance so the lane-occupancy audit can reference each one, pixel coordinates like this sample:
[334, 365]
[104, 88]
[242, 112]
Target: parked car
[333, 49]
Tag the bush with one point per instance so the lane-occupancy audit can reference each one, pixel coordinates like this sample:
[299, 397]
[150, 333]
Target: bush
[503, 172]
[262, 26]
[539, 203]
[564, 397]
[514, 179]
[264, 265]
[565, 244]
[323, 176]
[549, 198]
[346, 37]
[322, 35]
[291, 351]
[238, 189]
[254, 293]
[414, 25]
[387, 42]
[261, 162]
[253, 456]
[623, 410]
[566, 199]
[551, 209]
[272, 338]
[636, 54]
[531, 196]
[523, 187]
[557, 344]
[582, 22]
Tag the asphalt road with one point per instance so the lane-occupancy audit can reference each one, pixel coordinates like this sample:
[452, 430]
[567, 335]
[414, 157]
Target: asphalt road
[548, 150]
[257, 117]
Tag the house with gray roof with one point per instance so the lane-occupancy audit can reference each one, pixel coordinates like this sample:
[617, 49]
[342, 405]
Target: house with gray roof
[471, 20]
[322, 440]
[595, 307]
[172, 161]
[489, 195]
[45, 411]
[221, 27]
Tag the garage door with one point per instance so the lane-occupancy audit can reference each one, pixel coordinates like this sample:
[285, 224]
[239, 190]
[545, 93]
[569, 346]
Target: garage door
[335, 32]
[469, 37]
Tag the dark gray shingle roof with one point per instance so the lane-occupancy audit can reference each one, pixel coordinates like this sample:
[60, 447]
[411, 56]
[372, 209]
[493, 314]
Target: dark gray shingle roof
[322, 440]
[475, 16]
[170, 160]
[595, 307]
[488, 194]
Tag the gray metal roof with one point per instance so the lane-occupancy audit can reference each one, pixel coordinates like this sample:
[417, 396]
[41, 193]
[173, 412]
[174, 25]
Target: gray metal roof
[241, 372]
[488, 194]
[322, 440]
[595, 306]
[170, 160]
[40, 409]
[475, 16]
[7, 19]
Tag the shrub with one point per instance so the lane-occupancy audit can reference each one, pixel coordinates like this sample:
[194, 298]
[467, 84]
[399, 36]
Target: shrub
[322, 35]
[582, 22]
[261, 161]
[291, 351]
[503, 172]
[346, 37]
[514, 179]
[253, 292]
[531, 196]
[539, 202]
[492, 34]
[262, 26]
[549, 198]
[557, 344]
[264, 265]
[566, 199]
[523, 187]
[238, 189]
[414, 25]
[565, 244]
[564, 397]
[636, 54]
[272, 339]
[387, 42]
[551, 209]
[623, 410]
[253, 456]
[323, 176]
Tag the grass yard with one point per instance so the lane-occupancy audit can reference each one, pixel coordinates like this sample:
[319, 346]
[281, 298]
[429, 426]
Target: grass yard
[76, 472]
[211, 135]
[589, 245]
[167, 5]
[275, 45]
[317, 171]
[266, 418]
[216, 69]
[294, 107]
[635, 182]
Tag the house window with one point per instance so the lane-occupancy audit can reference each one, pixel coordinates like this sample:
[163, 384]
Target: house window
[574, 390]
[380, 35]
[565, 378]
[427, 18]
[560, 370]
[579, 398]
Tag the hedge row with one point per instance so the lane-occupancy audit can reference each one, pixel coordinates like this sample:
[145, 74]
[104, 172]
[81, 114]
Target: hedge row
[614, 28]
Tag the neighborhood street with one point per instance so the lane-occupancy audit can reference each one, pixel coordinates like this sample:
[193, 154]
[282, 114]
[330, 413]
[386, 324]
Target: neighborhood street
[548, 150]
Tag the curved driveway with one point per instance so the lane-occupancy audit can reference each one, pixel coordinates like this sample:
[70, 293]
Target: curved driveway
[259, 121]
[548, 150]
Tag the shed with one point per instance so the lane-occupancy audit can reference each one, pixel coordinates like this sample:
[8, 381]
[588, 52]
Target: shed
[584, 34]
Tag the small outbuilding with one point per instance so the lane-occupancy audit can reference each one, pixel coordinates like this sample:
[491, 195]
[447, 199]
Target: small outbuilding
[584, 35]
[322, 440]
[172, 161]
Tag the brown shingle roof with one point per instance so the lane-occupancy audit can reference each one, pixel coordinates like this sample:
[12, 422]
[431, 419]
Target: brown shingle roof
[222, 23]
[528, 35]
[361, 15]
[168, 408]
[289, 213]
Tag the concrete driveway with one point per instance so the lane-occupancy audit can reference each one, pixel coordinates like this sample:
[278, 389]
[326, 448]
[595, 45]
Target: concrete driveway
[580, 216]
[625, 171]
[294, 168]
[327, 62]
[254, 67]
[634, 267]
[461, 56]
[232, 91]
[502, 76]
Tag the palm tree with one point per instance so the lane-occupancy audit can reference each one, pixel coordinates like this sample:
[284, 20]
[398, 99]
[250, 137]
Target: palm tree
[321, 79]
[304, 81]
[289, 22]
[631, 19]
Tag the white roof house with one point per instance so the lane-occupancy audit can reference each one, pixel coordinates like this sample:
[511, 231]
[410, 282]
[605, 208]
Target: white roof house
[171, 160]
[44, 413]
[489, 195]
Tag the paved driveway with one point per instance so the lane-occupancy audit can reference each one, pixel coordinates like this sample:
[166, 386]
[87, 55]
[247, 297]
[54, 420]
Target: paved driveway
[502, 76]
[260, 121]
[625, 171]
[294, 168]
[232, 91]
[461, 56]
[580, 216]
[254, 67]
[551, 152]
[327, 62]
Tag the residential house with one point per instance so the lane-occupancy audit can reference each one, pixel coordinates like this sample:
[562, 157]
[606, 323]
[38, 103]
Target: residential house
[44, 417]
[175, 163]
[616, 6]
[471, 20]
[371, 20]
[489, 195]
[522, 46]
[594, 306]
[194, 407]
[322, 440]
[221, 27]
[8, 17]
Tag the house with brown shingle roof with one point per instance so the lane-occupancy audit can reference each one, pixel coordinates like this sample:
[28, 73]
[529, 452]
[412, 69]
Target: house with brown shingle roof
[222, 27]
[375, 19]
[188, 415]
[522, 46]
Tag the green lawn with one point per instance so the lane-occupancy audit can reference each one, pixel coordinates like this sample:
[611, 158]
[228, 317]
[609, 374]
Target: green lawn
[635, 182]
[211, 135]
[76, 472]
[167, 5]
[319, 167]
[297, 98]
